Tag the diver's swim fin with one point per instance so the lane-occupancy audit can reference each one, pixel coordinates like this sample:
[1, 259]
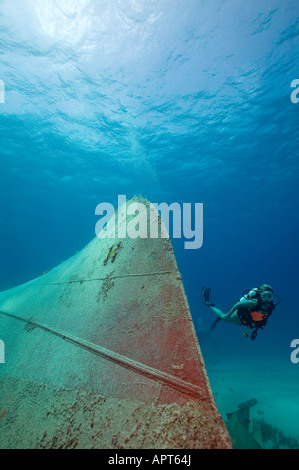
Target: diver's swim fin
[213, 326]
[206, 296]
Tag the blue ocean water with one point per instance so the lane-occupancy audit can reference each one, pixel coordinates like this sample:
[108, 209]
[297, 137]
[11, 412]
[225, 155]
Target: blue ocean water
[177, 101]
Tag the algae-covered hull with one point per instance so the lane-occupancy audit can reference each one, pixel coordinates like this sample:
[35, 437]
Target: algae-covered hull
[101, 352]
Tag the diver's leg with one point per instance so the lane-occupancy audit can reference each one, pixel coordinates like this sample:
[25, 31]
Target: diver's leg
[229, 317]
[233, 318]
[218, 312]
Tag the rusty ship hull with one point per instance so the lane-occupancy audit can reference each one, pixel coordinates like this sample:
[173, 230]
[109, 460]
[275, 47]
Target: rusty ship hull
[101, 352]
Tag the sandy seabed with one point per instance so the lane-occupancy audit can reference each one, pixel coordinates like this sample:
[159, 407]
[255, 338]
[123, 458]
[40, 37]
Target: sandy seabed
[275, 417]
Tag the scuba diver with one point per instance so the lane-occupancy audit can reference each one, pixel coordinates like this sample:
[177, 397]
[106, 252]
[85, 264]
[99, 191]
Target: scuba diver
[252, 310]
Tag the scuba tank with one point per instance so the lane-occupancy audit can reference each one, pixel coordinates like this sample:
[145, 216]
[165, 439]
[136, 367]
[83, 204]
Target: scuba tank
[254, 293]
